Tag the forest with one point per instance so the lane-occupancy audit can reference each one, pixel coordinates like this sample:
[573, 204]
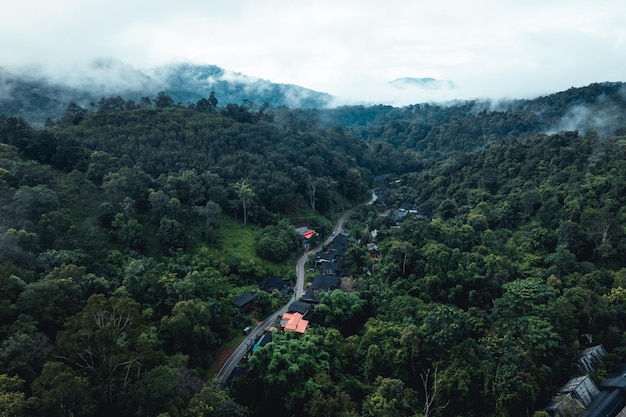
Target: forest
[126, 230]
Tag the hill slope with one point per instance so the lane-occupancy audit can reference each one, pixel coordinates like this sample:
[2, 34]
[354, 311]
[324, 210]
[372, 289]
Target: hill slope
[37, 95]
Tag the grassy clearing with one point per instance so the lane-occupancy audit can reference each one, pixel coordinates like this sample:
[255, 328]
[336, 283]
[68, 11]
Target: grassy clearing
[236, 243]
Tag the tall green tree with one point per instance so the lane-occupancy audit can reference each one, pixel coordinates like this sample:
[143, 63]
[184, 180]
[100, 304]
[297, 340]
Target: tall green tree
[61, 391]
[287, 366]
[104, 343]
[245, 195]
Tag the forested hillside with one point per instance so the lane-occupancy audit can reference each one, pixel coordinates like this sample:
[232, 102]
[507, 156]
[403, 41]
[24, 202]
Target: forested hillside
[35, 94]
[492, 256]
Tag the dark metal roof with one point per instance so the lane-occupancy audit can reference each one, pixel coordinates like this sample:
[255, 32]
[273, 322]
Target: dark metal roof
[242, 299]
[270, 284]
[299, 307]
[606, 404]
[325, 282]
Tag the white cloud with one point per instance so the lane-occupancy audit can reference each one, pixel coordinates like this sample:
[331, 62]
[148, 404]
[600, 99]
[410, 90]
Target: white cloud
[350, 49]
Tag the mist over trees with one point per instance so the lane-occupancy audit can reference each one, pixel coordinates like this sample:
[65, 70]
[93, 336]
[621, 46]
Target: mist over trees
[491, 257]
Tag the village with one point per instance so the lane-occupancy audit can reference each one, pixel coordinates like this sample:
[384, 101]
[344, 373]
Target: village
[331, 269]
[579, 397]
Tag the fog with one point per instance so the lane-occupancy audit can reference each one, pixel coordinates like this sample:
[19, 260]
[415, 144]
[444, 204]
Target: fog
[352, 50]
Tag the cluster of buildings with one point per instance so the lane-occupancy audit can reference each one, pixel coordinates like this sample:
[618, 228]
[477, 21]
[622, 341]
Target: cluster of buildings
[330, 267]
[581, 397]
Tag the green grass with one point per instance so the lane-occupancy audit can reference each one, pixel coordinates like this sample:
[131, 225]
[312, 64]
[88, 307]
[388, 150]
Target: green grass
[236, 243]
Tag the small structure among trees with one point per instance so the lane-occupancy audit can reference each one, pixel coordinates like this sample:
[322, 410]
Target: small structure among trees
[244, 301]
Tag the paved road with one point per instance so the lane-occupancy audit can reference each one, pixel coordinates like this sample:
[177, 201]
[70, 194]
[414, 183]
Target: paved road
[227, 368]
[303, 259]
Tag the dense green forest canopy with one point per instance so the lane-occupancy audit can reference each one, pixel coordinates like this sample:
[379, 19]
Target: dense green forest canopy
[126, 230]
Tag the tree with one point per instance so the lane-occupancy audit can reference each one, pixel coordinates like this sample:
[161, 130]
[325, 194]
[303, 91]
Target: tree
[264, 304]
[378, 347]
[162, 100]
[100, 164]
[213, 100]
[354, 187]
[104, 343]
[340, 309]
[203, 105]
[330, 400]
[405, 250]
[51, 302]
[24, 351]
[189, 330]
[390, 398]
[411, 342]
[312, 183]
[12, 397]
[210, 402]
[245, 194]
[29, 203]
[74, 114]
[61, 391]
[272, 249]
[213, 213]
[571, 235]
[287, 366]
[600, 224]
[443, 327]
[159, 203]
[165, 388]
[523, 297]
[276, 243]
[127, 182]
[171, 233]
[429, 385]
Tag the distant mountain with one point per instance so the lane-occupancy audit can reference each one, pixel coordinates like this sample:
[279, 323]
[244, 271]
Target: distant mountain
[426, 83]
[37, 95]
[187, 83]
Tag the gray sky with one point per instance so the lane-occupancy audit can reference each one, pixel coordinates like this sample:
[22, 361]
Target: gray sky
[351, 48]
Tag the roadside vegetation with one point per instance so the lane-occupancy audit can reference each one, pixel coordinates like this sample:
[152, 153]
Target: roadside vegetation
[125, 231]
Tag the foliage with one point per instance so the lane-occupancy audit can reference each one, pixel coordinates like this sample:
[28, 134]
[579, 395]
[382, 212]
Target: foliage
[122, 244]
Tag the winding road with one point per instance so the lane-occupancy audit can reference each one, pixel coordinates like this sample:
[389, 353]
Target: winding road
[244, 347]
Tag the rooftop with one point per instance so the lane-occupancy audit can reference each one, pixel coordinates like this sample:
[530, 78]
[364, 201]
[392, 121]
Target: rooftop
[294, 322]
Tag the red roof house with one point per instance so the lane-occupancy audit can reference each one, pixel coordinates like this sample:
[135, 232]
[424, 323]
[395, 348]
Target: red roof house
[294, 322]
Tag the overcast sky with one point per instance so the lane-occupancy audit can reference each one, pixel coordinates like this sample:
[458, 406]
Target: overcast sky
[351, 48]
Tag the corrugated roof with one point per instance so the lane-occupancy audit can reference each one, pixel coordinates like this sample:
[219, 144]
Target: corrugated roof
[295, 322]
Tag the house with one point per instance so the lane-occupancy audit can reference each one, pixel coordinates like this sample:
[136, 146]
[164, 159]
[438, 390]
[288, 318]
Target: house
[606, 400]
[400, 215]
[372, 249]
[263, 340]
[323, 258]
[269, 284]
[574, 396]
[581, 388]
[589, 358]
[302, 308]
[341, 239]
[607, 404]
[244, 301]
[333, 268]
[325, 283]
[294, 322]
[310, 297]
[338, 250]
[306, 233]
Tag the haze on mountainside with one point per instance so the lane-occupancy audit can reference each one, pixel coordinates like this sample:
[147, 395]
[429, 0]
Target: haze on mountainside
[355, 51]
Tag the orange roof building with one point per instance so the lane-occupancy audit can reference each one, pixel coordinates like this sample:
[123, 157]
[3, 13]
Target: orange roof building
[309, 234]
[294, 322]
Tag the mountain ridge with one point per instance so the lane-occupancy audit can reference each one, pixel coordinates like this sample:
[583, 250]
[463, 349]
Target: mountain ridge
[37, 94]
